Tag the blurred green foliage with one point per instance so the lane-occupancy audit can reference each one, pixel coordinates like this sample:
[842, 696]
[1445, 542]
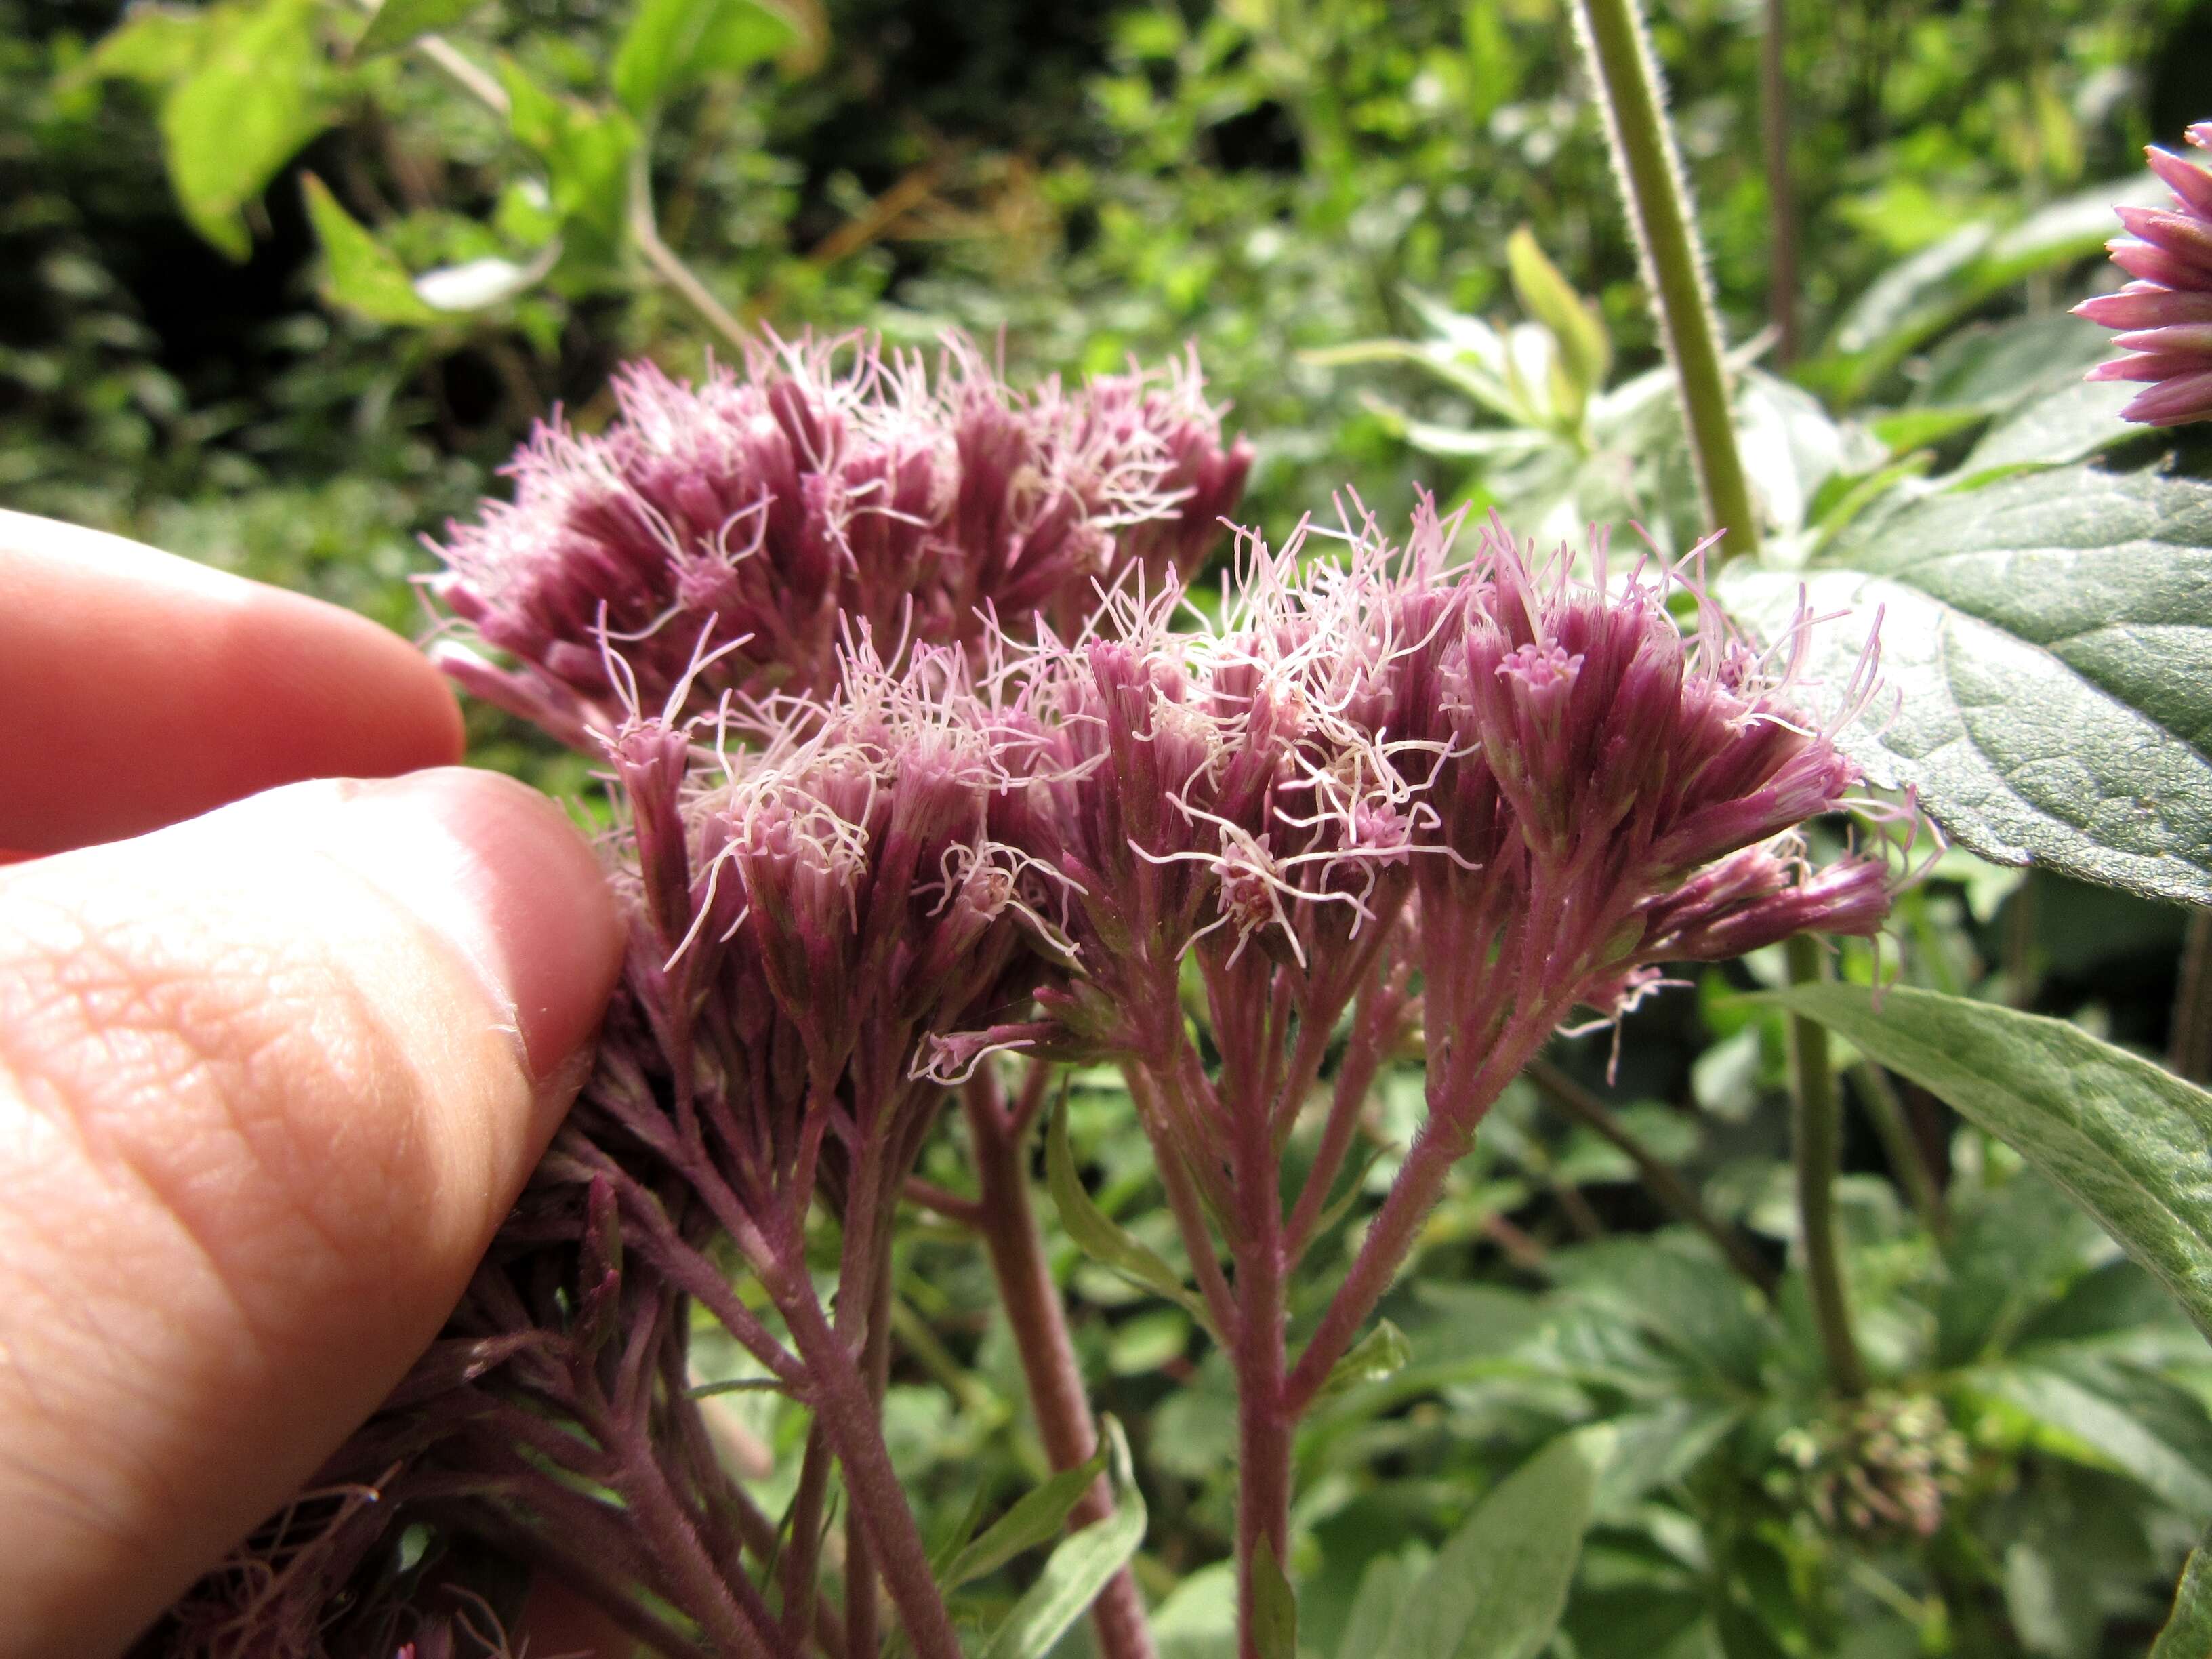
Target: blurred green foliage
[280, 288]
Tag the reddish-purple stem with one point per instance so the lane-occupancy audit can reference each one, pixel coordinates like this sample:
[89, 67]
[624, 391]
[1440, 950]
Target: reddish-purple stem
[1032, 1304]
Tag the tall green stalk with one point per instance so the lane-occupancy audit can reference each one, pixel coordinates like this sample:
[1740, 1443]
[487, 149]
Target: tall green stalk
[1657, 200]
[1652, 189]
[1815, 1129]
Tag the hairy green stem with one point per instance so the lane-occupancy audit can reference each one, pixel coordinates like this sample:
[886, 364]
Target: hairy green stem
[1780, 207]
[1657, 200]
[1814, 1131]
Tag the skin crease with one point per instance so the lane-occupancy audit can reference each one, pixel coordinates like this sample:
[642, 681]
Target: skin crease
[271, 1071]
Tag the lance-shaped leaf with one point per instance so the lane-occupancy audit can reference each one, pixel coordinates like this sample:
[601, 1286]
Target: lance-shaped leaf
[2129, 1141]
[1099, 1236]
[1081, 1567]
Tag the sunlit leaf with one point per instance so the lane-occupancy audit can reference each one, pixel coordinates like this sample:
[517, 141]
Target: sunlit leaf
[360, 274]
[673, 45]
[245, 108]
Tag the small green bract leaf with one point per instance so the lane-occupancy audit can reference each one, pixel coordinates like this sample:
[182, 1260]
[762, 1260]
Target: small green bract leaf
[1035, 1518]
[360, 274]
[398, 23]
[1383, 1353]
[1078, 1569]
[1101, 1238]
[1274, 1606]
[2130, 1142]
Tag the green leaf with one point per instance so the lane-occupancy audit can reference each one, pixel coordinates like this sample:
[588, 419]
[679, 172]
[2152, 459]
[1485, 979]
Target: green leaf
[1383, 1590]
[2115, 1417]
[1035, 1518]
[2188, 1632]
[673, 45]
[1274, 1606]
[253, 98]
[736, 1385]
[2129, 1141]
[586, 152]
[1103, 1240]
[153, 46]
[1550, 299]
[360, 273]
[399, 22]
[1918, 298]
[1081, 1567]
[2050, 638]
[1382, 1354]
[1496, 1590]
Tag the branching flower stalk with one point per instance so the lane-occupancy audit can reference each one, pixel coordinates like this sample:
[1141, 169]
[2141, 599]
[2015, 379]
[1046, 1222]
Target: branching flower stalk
[893, 802]
[1525, 788]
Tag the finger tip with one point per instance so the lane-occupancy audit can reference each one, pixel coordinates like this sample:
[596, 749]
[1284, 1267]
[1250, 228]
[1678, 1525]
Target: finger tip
[513, 886]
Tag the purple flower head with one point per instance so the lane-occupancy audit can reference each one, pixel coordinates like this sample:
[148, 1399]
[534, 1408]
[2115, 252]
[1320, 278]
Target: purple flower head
[2165, 313]
[1620, 793]
[729, 537]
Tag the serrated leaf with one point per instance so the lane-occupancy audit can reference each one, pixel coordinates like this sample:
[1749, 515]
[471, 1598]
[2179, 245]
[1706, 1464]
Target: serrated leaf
[1099, 1236]
[1274, 1606]
[1081, 1567]
[2188, 1632]
[360, 274]
[1497, 1589]
[255, 96]
[2050, 638]
[1035, 1518]
[398, 23]
[2127, 1141]
[1382, 1354]
[671, 46]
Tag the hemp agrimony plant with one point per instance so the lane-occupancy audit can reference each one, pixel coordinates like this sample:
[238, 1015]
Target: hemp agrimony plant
[932, 777]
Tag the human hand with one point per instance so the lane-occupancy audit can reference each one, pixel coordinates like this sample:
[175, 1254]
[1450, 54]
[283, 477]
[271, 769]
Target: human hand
[269, 1077]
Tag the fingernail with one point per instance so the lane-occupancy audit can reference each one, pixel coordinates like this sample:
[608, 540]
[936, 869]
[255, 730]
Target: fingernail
[497, 870]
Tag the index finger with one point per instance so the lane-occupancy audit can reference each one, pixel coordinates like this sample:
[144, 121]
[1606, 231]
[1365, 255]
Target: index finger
[143, 689]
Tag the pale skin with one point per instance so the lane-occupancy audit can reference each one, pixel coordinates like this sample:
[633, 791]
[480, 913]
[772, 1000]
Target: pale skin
[290, 1005]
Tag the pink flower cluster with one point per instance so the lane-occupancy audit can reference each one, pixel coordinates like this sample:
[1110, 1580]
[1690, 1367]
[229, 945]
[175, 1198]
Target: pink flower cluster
[2166, 312]
[728, 536]
[1523, 763]
[996, 796]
